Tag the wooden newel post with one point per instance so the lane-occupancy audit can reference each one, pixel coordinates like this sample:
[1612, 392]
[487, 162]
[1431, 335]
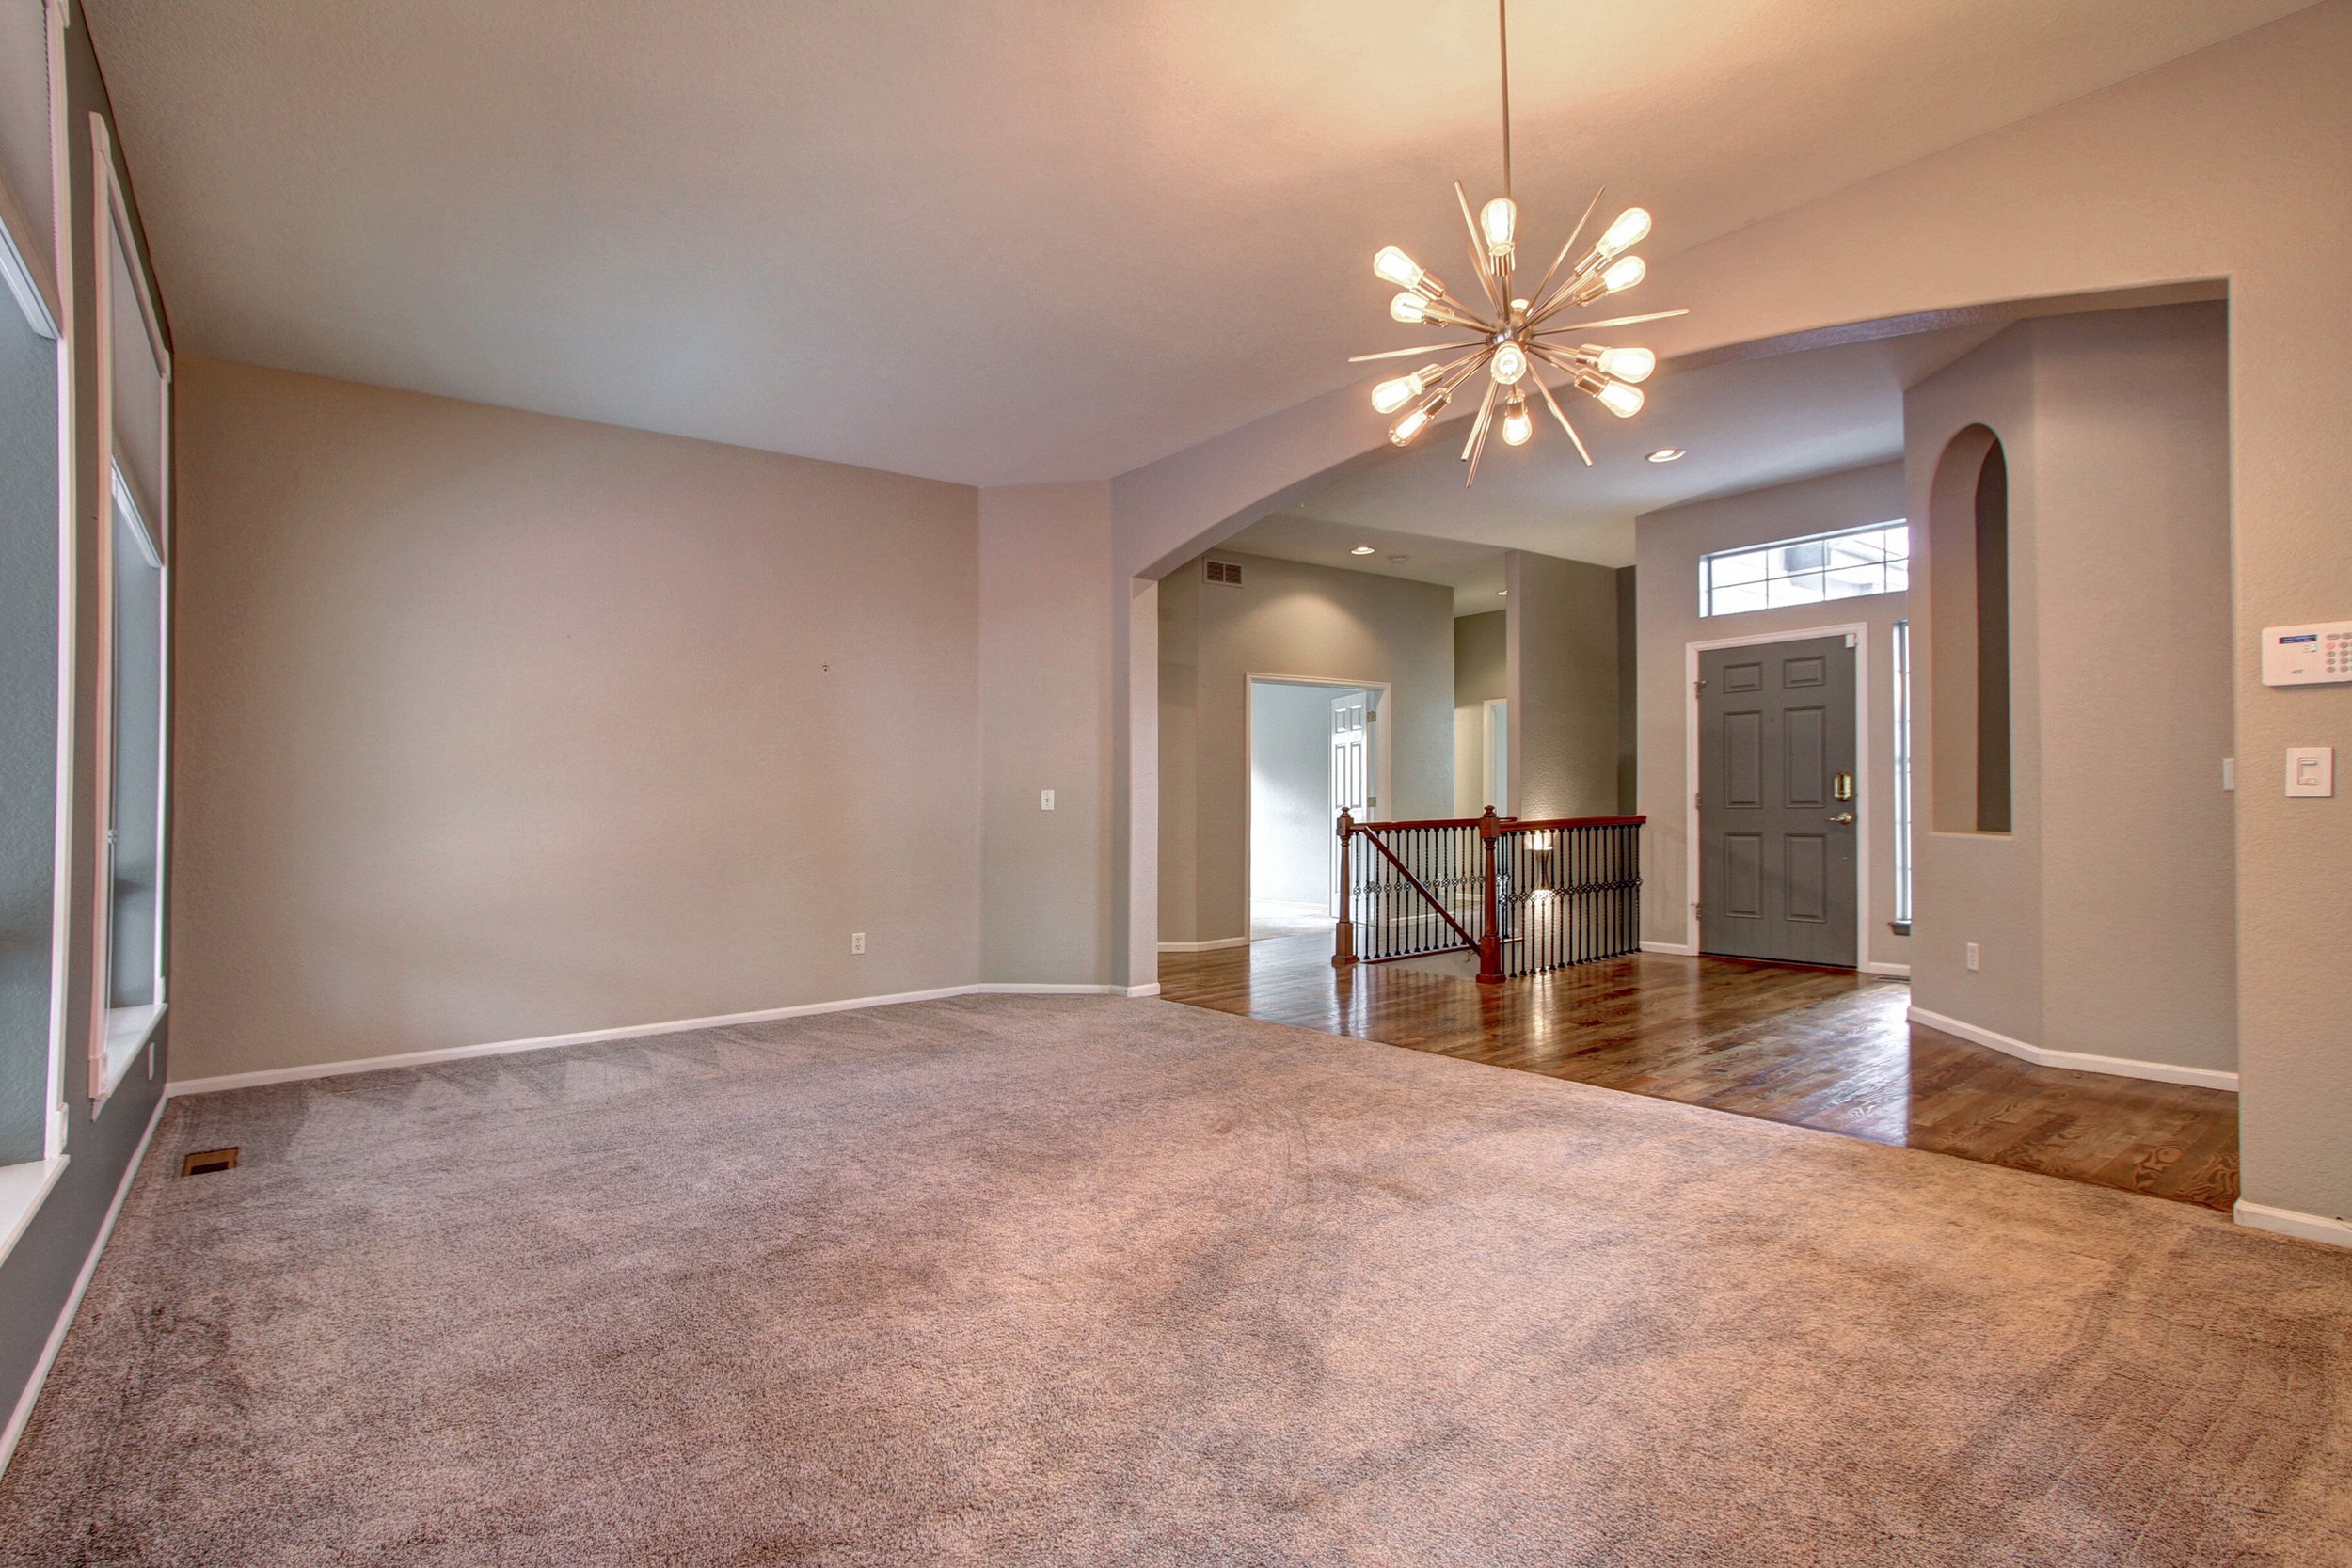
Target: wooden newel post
[1344, 953]
[1489, 936]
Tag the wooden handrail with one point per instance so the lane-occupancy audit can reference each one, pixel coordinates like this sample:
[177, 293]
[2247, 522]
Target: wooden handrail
[1505, 824]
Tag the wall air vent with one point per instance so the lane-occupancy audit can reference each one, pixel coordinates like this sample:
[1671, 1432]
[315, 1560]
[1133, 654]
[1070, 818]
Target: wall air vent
[1226, 572]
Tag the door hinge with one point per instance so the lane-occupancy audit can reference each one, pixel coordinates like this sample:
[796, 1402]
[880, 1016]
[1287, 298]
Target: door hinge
[1371, 719]
[1697, 911]
[1372, 801]
[1697, 686]
[1697, 801]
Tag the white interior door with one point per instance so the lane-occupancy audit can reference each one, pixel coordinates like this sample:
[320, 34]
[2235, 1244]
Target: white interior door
[1351, 777]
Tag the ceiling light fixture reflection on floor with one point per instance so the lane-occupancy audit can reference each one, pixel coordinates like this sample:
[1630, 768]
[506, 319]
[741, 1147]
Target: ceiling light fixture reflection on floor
[1511, 334]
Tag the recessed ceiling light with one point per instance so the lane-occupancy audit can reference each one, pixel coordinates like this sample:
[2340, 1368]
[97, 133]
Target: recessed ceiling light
[1363, 549]
[1665, 454]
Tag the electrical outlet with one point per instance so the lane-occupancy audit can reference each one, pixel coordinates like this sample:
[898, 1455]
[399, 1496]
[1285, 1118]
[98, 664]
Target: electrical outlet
[857, 944]
[1973, 957]
[1046, 799]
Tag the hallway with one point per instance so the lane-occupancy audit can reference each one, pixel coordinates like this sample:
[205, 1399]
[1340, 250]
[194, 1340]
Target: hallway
[1825, 1049]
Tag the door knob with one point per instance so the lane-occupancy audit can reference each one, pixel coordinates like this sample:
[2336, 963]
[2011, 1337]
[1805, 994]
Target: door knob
[1844, 817]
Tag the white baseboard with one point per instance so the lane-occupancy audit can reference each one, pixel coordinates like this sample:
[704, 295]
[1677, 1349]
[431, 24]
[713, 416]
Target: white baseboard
[1203, 946]
[1023, 988]
[24, 1401]
[2333, 1229]
[1893, 971]
[2077, 1061]
[1679, 949]
[627, 1032]
[1151, 990]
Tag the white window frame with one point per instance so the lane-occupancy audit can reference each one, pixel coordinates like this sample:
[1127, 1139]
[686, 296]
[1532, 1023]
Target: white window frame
[118, 1035]
[43, 293]
[1706, 568]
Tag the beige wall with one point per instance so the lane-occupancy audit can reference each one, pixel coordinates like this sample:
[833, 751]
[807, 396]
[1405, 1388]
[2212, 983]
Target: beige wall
[1045, 703]
[2104, 918]
[1668, 544]
[2231, 163]
[1561, 652]
[494, 726]
[1286, 619]
[1482, 673]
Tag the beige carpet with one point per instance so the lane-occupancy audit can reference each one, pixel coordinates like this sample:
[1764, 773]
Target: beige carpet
[1031, 1281]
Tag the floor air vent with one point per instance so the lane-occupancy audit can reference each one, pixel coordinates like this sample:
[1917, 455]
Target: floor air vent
[205, 1162]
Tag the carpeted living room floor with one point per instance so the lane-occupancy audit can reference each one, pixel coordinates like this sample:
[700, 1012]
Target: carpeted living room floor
[1018, 1280]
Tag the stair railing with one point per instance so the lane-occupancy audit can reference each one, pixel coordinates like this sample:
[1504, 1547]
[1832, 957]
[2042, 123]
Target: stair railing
[1525, 896]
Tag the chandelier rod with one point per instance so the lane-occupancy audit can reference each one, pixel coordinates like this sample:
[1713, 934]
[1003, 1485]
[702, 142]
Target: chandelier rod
[1502, 37]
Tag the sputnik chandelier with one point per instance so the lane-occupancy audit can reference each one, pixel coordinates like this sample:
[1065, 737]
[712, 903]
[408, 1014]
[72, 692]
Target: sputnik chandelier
[1513, 334]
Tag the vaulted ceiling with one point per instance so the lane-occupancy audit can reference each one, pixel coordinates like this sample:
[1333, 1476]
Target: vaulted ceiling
[997, 242]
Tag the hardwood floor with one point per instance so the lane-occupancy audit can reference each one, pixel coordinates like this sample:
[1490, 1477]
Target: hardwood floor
[1819, 1048]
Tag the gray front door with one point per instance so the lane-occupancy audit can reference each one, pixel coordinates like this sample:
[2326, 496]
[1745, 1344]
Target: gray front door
[1776, 841]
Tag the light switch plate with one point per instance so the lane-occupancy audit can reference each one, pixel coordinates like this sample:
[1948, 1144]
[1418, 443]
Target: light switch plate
[1046, 799]
[2311, 770]
[2309, 655]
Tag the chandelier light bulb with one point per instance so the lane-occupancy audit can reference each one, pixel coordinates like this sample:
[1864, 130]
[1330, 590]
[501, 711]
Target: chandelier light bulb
[1498, 219]
[1632, 229]
[1510, 364]
[1408, 308]
[1410, 425]
[1625, 364]
[1622, 276]
[1392, 265]
[1621, 400]
[1517, 426]
[1389, 396]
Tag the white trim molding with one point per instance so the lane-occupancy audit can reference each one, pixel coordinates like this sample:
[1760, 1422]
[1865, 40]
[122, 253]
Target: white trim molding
[1891, 972]
[633, 1031]
[2077, 1061]
[1203, 946]
[1679, 949]
[31, 1394]
[2332, 1229]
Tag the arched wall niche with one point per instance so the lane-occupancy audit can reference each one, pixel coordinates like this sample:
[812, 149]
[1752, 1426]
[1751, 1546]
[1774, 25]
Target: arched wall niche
[1966, 544]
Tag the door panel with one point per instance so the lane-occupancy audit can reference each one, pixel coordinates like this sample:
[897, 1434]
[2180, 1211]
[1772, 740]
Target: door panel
[1776, 872]
[1351, 778]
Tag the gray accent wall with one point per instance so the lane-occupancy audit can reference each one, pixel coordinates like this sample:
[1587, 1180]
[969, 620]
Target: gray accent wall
[1285, 619]
[2105, 916]
[1668, 544]
[39, 1275]
[495, 726]
[1560, 650]
[1482, 675]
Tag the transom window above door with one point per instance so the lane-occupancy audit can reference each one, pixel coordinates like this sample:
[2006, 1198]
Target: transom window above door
[1874, 559]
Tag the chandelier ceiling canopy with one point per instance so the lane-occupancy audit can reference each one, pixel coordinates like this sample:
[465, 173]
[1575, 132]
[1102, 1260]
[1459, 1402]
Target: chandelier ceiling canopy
[1511, 334]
